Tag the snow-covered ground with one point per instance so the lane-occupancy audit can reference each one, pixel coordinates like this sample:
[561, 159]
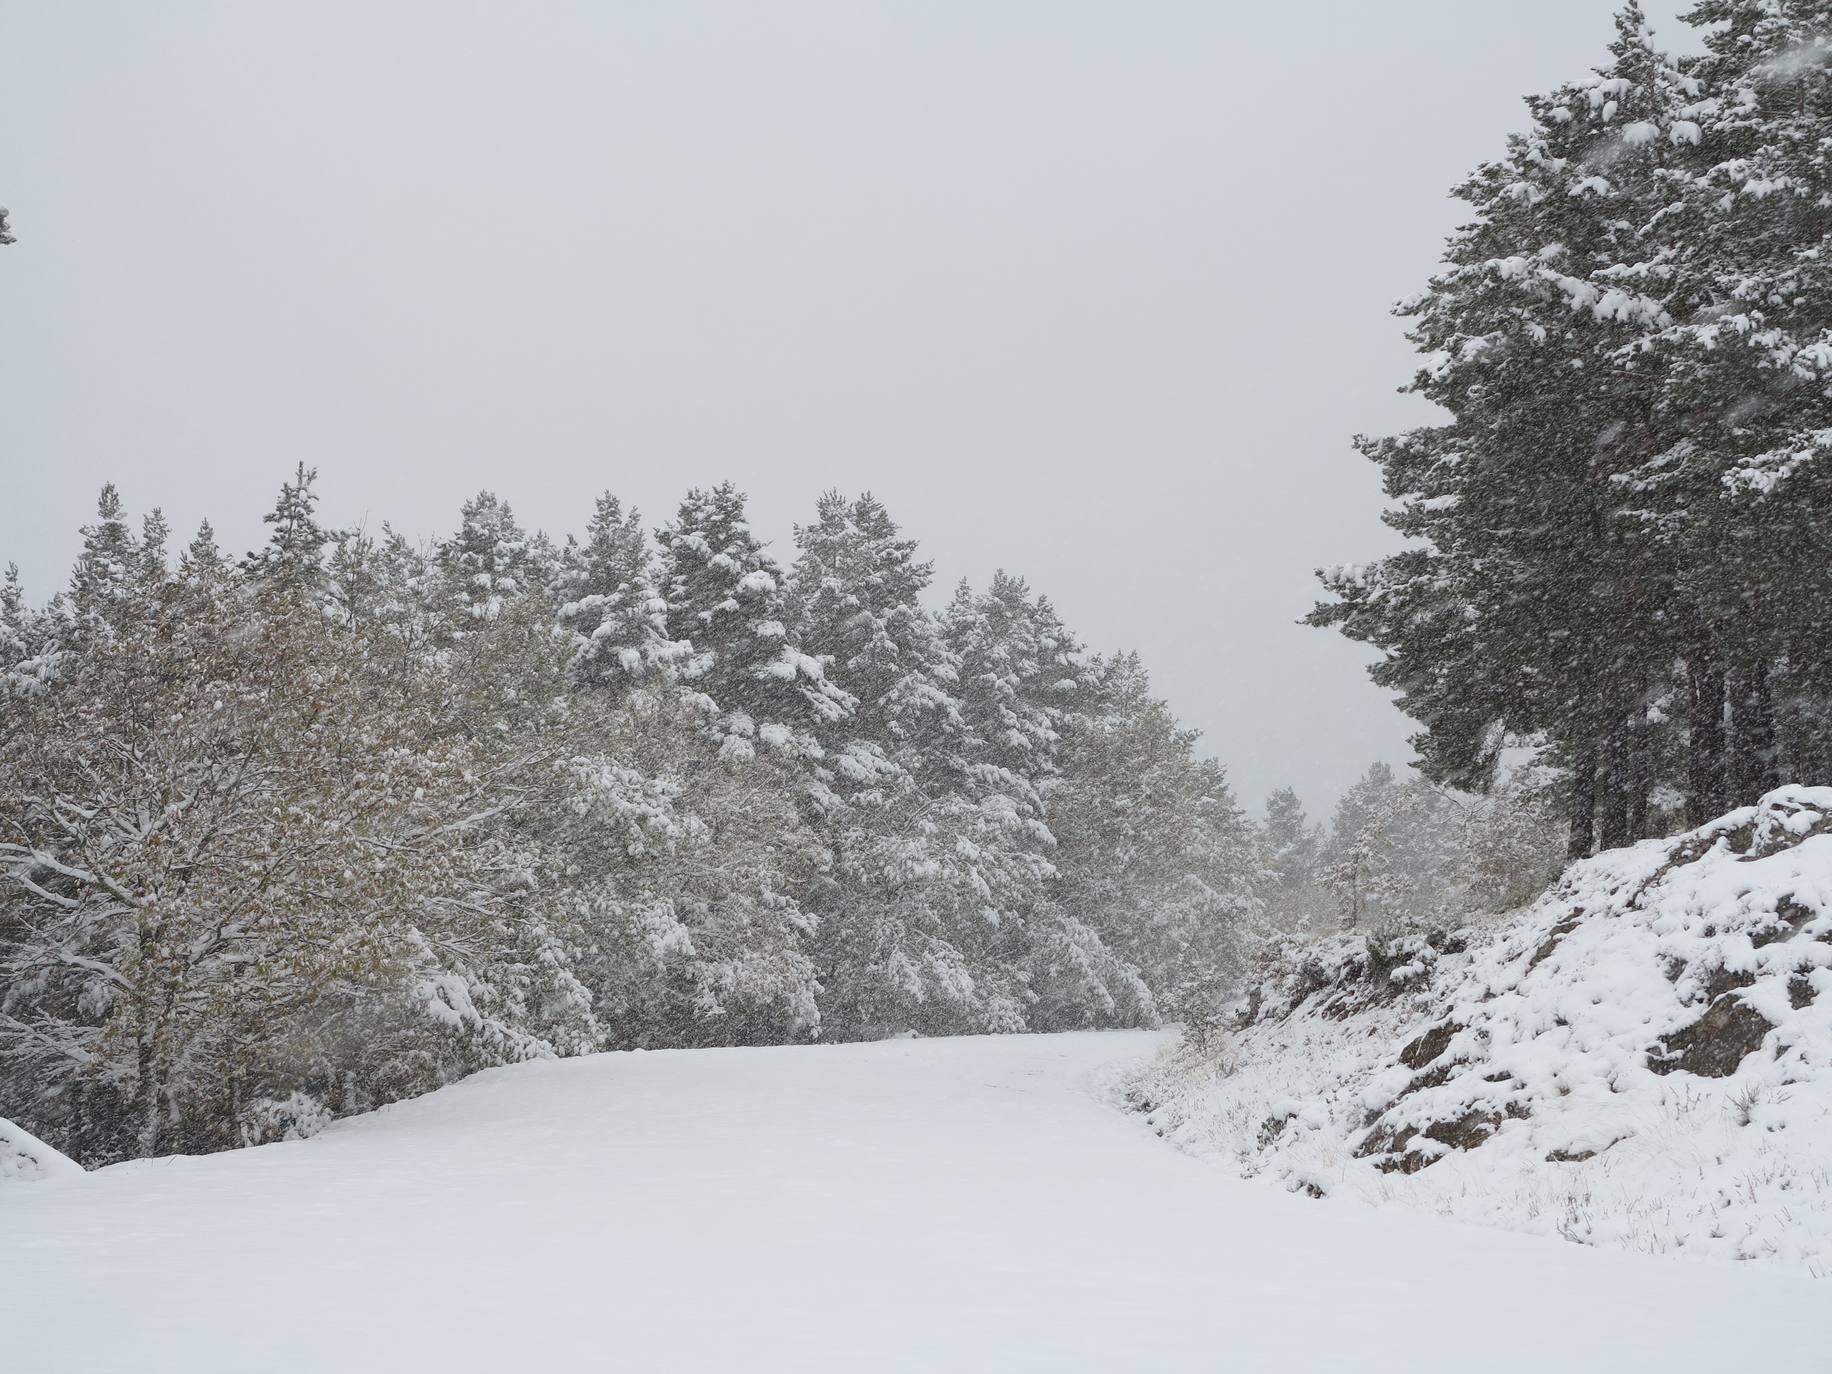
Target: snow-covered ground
[947, 1205]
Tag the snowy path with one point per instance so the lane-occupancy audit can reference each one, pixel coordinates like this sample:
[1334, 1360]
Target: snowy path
[945, 1205]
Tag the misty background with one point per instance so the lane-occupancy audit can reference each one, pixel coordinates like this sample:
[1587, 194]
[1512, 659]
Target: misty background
[1095, 293]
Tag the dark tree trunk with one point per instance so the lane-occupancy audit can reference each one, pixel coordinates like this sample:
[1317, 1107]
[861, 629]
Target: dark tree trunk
[1583, 800]
[1612, 804]
[1752, 735]
[1705, 740]
[1640, 776]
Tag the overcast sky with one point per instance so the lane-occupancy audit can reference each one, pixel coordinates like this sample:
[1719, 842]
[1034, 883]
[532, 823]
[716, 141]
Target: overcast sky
[1097, 293]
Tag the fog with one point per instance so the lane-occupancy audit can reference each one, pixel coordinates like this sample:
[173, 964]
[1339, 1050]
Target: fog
[1095, 293]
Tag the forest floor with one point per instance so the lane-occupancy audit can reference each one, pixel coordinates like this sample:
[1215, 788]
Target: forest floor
[945, 1205]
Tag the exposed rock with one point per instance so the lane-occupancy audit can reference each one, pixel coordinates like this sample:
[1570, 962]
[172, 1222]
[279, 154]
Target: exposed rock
[1553, 936]
[1715, 1044]
[1427, 1047]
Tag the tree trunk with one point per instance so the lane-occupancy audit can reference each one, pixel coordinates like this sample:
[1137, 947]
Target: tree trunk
[150, 1093]
[1583, 800]
[1639, 779]
[1704, 739]
[1612, 817]
[1752, 735]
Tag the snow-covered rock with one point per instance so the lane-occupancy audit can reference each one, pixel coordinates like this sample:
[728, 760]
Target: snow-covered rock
[24, 1157]
[1642, 1059]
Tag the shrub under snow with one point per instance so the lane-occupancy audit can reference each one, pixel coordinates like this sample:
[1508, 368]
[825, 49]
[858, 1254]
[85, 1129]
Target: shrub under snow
[1642, 1059]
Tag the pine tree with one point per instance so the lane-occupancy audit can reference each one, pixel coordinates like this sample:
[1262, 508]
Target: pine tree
[1399, 855]
[1743, 502]
[1152, 853]
[903, 940]
[726, 608]
[154, 532]
[101, 588]
[20, 638]
[1537, 600]
[1017, 681]
[1006, 654]
[293, 558]
[612, 608]
[32, 642]
[202, 560]
[857, 592]
[1023, 680]
[490, 562]
[1291, 846]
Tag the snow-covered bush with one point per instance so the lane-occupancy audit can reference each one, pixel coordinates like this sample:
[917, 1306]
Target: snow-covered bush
[297, 1116]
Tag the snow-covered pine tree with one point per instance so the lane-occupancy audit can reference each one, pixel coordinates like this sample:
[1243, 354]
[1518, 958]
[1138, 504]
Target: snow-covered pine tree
[1017, 683]
[1009, 748]
[489, 563]
[102, 584]
[353, 582]
[202, 560]
[1742, 500]
[1152, 853]
[684, 875]
[1533, 601]
[294, 553]
[15, 642]
[1291, 847]
[726, 606]
[28, 640]
[1402, 852]
[902, 942]
[1022, 681]
[856, 603]
[154, 532]
[611, 607]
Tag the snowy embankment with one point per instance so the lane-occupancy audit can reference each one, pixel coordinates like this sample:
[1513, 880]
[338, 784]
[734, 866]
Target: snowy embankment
[958, 1205]
[24, 1157]
[1642, 1060]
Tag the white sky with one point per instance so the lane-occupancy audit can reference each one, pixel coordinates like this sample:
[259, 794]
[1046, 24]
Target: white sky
[1094, 292]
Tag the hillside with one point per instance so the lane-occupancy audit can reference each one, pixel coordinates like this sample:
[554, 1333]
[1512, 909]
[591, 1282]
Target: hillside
[1641, 1060]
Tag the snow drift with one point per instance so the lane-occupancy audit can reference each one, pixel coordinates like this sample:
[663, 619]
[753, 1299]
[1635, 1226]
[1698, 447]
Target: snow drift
[1641, 1059]
[24, 1157]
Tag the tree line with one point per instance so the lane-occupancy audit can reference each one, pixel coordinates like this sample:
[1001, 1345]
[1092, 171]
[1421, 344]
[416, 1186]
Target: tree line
[294, 835]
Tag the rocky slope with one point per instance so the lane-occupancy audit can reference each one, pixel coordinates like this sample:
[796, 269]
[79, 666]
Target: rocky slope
[1642, 1059]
